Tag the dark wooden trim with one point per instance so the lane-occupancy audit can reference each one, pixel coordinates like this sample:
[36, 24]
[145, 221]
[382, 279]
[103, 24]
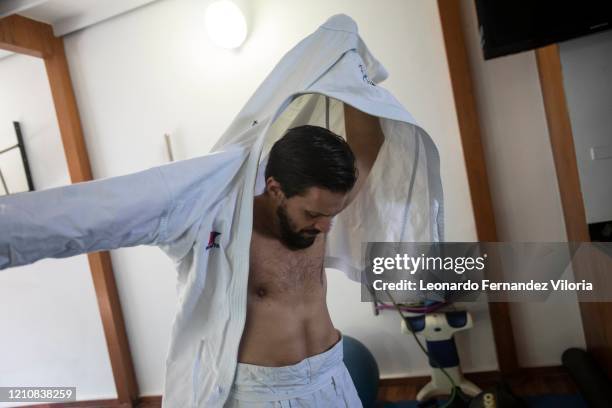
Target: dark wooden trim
[153, 401]
[142, 402]
[479, 377]
[478, 181]
[596, 317]
[524, 382]
[20, 34]
[107, 403]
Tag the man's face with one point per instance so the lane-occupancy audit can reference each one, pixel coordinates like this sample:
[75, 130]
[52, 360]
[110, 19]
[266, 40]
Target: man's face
[303, 217]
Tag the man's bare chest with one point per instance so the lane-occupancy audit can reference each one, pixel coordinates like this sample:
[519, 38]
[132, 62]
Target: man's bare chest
[278, 271]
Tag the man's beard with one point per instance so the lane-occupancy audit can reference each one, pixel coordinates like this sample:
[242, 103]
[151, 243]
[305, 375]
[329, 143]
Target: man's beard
[292, 239]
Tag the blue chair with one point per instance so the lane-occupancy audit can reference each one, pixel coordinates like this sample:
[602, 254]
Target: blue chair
[363, 369]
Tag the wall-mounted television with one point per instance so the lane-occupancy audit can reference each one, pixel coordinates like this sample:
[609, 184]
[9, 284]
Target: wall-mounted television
[511, 26]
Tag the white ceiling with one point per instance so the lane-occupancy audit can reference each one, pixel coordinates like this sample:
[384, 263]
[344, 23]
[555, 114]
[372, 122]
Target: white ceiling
[66, 16]
[52, 11]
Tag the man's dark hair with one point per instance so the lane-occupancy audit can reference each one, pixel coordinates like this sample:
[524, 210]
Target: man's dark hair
[311, 156]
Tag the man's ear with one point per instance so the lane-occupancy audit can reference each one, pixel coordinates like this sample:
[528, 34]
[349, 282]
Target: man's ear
[273, 188]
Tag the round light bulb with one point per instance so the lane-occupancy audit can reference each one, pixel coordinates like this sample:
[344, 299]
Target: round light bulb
[225, 24]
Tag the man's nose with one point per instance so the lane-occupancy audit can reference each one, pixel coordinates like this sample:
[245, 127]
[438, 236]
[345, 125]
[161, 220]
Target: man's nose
[324, 224]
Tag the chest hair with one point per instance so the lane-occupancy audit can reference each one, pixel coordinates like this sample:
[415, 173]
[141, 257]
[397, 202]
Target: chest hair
[277, 270]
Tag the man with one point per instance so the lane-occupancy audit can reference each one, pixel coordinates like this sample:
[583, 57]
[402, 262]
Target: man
[290, 353]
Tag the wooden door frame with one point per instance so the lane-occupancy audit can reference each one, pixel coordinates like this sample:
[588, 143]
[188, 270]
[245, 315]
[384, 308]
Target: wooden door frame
[33, 38]
[596, 317]
[475, 164]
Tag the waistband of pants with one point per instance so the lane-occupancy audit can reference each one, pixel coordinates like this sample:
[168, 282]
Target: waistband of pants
[255, 383]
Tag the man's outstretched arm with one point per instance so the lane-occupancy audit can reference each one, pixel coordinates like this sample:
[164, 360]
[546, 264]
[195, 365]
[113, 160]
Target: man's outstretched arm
[84, 217]
[158, 206]
[365, 137]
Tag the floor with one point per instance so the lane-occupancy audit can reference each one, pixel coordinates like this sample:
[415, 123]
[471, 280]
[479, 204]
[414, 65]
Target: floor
[542, 383]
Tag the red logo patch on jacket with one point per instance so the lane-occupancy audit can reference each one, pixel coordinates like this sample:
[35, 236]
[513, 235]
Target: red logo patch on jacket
[212, 239]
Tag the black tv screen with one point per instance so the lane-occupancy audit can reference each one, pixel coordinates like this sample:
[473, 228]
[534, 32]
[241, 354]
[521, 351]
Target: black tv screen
[510, 26]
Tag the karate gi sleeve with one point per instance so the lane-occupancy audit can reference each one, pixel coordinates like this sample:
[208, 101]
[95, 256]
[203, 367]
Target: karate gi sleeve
[84, 217]
[162, 206]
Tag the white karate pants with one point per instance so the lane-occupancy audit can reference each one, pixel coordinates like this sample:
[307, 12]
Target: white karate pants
[320, 381]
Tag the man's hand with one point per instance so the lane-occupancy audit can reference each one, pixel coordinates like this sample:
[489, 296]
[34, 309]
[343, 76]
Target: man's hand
[365, 137]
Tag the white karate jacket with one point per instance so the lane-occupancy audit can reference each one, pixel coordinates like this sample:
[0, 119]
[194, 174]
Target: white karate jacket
[199, 211]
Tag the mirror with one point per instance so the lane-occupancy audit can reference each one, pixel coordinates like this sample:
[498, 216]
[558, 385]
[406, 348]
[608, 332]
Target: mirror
[15, 174]
[31, 149]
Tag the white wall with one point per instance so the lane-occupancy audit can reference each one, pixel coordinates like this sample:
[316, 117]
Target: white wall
[587, 72]
[523, 183]
[51, 330]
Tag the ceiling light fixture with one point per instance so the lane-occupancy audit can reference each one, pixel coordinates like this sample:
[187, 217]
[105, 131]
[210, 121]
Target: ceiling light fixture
[225, 24]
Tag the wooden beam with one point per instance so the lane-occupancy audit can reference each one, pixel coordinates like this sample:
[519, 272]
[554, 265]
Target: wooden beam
[562, 142]
[596, 317]
[30, 37]
[66, 110]
[100, 264]
[25, 36]
[114, 327]
[478, 181]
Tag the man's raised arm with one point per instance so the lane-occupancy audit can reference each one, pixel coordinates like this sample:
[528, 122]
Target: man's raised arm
[365, 137]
